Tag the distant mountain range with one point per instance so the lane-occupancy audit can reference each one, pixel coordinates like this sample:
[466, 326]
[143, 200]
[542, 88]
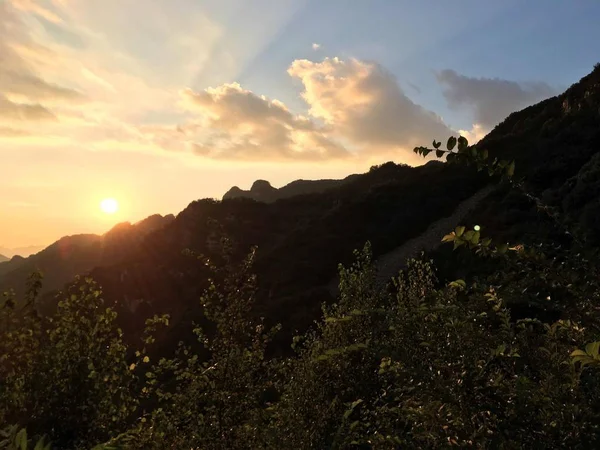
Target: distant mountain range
[304, 229]
[20, 251]
[3, 258]
[78, 254]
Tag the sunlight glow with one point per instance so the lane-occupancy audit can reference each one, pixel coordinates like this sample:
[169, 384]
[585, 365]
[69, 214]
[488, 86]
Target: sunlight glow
[109, 206]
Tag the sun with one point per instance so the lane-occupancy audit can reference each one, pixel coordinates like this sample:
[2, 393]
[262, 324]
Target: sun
[109, 206]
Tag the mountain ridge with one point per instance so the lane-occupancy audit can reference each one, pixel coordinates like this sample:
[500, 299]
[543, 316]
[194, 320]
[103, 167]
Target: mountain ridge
[21, 251]
[75, 255]
[302, 238]
[263, 191]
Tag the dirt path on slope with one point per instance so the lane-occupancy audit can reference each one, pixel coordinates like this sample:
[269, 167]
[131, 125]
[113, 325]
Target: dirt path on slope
[389, 264]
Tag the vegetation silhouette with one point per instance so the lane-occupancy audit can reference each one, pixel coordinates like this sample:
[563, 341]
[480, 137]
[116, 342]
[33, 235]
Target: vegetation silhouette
[504, 356]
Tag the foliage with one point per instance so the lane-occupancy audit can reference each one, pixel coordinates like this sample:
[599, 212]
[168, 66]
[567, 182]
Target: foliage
[66, 375]
[14, 438]
[425, 364]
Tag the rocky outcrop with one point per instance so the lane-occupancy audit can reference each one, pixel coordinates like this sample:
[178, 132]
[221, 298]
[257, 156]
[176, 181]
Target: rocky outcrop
[262, 191]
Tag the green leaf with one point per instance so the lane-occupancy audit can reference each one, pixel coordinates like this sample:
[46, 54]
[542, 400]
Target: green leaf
[463, 143]
[460, 284]
[416, 149]
[468, 236]
[475, 238]
[436, 145]
[502, 248]
[449, 237]
[592, 349]
[458, 243]
[21, 439]
[439, 153]
[459, 230]
[583, 360]
[510, 170]
[41, 445]
[578, 353]
[484, 154]
[451, 143]
[350, 410]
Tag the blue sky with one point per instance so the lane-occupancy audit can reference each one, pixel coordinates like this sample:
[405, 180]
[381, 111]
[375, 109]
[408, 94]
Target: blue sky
[160, 102]
[552, 41]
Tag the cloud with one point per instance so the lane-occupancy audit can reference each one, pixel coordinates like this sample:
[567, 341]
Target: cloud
[24, 94]
[236, 123]
[29, 86]
[475, 134]
[316, 46]
[7, 132]
[37, 9]
[362, 102]
[23, 112]
[491, 100]
[355, 109]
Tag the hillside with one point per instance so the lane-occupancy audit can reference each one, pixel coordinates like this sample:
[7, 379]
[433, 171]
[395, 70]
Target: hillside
[3, 258]
[78, 254]
[494, 346]
[302, 238]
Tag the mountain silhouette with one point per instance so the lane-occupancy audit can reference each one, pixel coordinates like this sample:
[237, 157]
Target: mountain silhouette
[78, 254]
[304, 229]
[21, 251]
[262, 191]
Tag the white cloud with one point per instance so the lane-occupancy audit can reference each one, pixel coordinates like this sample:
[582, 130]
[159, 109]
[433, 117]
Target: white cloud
[57, 54]
[491, 100]
[354, 109]
[475, 134]
[12, 132]
[363, 103]
[17, 112]
[236, 123]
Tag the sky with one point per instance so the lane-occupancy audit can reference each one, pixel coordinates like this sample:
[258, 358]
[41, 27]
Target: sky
[156, 103]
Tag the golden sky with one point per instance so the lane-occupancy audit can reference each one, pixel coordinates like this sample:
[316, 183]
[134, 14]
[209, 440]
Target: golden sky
[157, 103]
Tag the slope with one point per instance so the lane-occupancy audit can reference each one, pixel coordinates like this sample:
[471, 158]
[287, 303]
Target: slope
[76, 255]
[302, 238]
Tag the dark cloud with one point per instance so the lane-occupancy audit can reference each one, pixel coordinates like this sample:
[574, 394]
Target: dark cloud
[491, 100]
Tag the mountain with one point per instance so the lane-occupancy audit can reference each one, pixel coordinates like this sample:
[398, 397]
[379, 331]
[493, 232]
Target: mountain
[78, 254]
[3, 258]
[262, 191]
[302, 238]
[303, 230]
[20, 251]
